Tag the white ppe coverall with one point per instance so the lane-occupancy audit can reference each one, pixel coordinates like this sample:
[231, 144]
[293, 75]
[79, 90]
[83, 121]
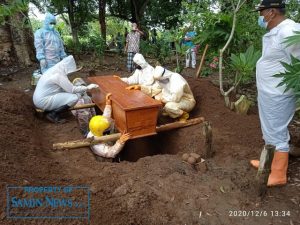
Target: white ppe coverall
[54, 88]
[176, 93]
[48, 44]
[143, 77]
[104, 149]
[276, 107]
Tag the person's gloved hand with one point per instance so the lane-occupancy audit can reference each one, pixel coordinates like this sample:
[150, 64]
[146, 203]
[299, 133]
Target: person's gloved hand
[43, 64]
[134, 87]
[92, 86]
[107, 99]
[117, 77]
[161, 102]
[124, 137]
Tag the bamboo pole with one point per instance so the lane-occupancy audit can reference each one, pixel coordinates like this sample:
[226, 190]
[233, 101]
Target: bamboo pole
[86, 142]
[179, 124]
[202, 61]
[76, 107]
[114, 137]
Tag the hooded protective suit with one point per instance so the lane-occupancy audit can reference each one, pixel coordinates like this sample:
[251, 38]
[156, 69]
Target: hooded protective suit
[143, 77]
[176, 93]
[48, 44]
[276, 108]
[54, 89]
[104, 149]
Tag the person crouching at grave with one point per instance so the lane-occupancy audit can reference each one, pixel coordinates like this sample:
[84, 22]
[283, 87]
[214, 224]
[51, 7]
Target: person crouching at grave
[83, 116]
[176, 94]
[142, 78]
[102, 125]
[55, 94]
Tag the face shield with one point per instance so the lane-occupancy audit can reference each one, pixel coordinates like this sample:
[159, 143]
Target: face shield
[160, 74]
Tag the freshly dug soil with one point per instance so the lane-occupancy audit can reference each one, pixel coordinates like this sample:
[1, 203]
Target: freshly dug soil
[151, 184]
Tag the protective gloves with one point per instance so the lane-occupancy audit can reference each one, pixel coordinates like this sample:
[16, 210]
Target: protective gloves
[43, 64]
[134, 87]
[107, 99]
[92, 86]
[124, 137]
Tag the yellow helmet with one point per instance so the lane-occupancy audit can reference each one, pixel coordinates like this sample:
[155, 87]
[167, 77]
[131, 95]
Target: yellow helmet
[98, 124]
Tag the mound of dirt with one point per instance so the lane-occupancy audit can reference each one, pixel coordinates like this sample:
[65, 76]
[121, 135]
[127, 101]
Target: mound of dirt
[151, 184]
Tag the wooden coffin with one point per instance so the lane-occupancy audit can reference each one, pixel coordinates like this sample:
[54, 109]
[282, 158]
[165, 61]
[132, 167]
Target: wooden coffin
[132, 110]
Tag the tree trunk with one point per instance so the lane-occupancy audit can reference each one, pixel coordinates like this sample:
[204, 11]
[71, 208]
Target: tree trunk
[102, 5]
[7, 54]
[16, 41]
[137, 11]
[73, 23]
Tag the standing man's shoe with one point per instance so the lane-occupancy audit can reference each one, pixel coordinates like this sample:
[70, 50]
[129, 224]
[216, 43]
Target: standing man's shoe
[279, 169]
[255, 163]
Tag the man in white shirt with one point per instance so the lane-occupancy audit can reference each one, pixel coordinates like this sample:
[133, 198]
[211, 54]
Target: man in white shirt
[132, 45]
[276, 107]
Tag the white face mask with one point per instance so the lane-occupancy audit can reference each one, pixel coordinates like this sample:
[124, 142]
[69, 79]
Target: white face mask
[51, 26]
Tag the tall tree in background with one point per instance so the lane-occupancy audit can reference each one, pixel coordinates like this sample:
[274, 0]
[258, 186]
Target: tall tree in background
[102, 15]
[163, 13]
[16, 38]
[79, 13]
[137, 10]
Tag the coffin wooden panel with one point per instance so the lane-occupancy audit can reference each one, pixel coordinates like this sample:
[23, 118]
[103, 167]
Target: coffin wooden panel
[133, 111]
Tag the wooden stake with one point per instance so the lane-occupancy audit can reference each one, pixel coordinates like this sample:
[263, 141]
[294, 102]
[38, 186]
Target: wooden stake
[202, 61]
[264, 169]
[114, 137]
[207, 132]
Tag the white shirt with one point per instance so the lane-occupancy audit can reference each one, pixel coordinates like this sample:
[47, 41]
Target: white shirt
[274, 52]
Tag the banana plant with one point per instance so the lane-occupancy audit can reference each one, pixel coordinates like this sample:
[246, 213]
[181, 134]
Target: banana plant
[244, 64]
[291, 75]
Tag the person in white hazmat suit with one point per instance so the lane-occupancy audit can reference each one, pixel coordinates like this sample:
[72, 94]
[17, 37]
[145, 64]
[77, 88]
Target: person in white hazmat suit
[142, 78]
[99, 125]
[276, 107]
[55, 93]
[48, 44]
[176, 94]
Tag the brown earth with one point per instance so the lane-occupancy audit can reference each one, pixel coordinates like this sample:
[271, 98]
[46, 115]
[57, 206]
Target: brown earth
[151, 184]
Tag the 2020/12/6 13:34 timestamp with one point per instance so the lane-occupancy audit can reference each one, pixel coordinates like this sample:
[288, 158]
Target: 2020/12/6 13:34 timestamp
[278, 213]
[259, 213]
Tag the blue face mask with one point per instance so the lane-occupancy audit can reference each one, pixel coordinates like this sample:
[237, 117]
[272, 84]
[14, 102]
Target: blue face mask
[261, 22]
[51, 26]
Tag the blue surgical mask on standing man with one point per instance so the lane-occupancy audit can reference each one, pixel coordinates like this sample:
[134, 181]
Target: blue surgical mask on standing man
[262, 22]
